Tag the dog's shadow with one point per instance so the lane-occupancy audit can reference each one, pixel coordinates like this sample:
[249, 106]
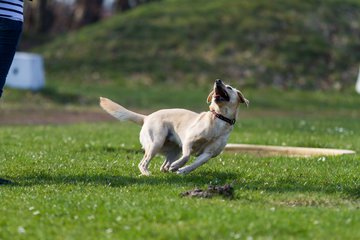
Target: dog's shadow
[198, 179]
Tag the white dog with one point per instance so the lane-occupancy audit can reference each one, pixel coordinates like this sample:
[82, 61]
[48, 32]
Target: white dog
[179, 133]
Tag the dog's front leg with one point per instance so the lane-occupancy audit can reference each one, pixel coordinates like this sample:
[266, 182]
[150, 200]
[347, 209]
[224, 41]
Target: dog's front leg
[200, 160]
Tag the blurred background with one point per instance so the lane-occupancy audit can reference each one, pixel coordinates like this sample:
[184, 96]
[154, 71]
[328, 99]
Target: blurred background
[285, 55]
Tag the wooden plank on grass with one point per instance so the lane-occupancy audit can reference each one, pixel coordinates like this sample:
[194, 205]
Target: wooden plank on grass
[264, 150]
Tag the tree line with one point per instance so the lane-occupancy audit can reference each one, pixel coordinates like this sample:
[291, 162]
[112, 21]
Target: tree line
[55, 16]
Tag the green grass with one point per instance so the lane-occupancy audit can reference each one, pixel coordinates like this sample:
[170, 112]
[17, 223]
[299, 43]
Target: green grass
[336, 103]
[81, 181]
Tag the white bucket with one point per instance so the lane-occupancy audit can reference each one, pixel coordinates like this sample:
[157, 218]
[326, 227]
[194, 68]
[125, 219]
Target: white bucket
[357, 86]
[26, 72]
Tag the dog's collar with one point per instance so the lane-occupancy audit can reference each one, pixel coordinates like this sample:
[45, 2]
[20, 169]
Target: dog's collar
[225, 119]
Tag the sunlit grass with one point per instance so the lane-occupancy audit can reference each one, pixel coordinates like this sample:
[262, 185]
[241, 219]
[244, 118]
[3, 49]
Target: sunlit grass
[81, 181]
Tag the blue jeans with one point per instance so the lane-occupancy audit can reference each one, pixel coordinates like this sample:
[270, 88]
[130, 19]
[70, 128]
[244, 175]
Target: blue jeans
[10, 32]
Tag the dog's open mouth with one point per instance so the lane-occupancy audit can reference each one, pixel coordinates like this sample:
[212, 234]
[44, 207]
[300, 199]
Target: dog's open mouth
[221, 94]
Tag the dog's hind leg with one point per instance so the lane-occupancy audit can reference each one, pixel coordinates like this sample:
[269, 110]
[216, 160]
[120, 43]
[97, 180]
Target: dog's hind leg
[144, 163]
[186, 151]
[152, 146]
[171, 154]
[151, 149]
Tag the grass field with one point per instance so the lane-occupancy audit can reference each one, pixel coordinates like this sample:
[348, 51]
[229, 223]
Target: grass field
[81, 181]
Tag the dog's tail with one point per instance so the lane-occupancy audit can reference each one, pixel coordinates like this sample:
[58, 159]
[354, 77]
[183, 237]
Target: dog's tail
[120, 112]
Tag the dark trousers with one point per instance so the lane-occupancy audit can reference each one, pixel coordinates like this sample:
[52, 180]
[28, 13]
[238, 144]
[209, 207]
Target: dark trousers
[10, 32]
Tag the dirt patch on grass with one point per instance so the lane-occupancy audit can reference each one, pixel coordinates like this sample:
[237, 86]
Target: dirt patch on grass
[38, 116]
[226, 191]
[51, 116]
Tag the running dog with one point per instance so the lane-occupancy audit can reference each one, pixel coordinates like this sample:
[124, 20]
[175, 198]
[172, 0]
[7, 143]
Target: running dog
[179, 133]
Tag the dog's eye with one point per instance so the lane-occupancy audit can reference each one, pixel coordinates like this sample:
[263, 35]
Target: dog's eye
[228, 87]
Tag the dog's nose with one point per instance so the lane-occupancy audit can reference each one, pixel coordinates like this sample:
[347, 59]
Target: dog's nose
[218, 81]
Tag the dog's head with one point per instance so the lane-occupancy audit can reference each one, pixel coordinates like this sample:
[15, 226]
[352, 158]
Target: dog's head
[225, 95]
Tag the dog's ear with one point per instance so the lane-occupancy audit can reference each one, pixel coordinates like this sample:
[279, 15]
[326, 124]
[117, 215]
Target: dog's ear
[210, 96]
[242, 99]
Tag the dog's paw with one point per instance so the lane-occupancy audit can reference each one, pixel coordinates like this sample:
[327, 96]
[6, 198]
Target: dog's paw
[164, 169]
[173, 168]
[182, 171]
[145, 173]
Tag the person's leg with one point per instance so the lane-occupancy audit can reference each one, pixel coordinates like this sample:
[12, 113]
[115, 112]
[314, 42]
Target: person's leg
[9, 37]
[4, 181]
[10, 32]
